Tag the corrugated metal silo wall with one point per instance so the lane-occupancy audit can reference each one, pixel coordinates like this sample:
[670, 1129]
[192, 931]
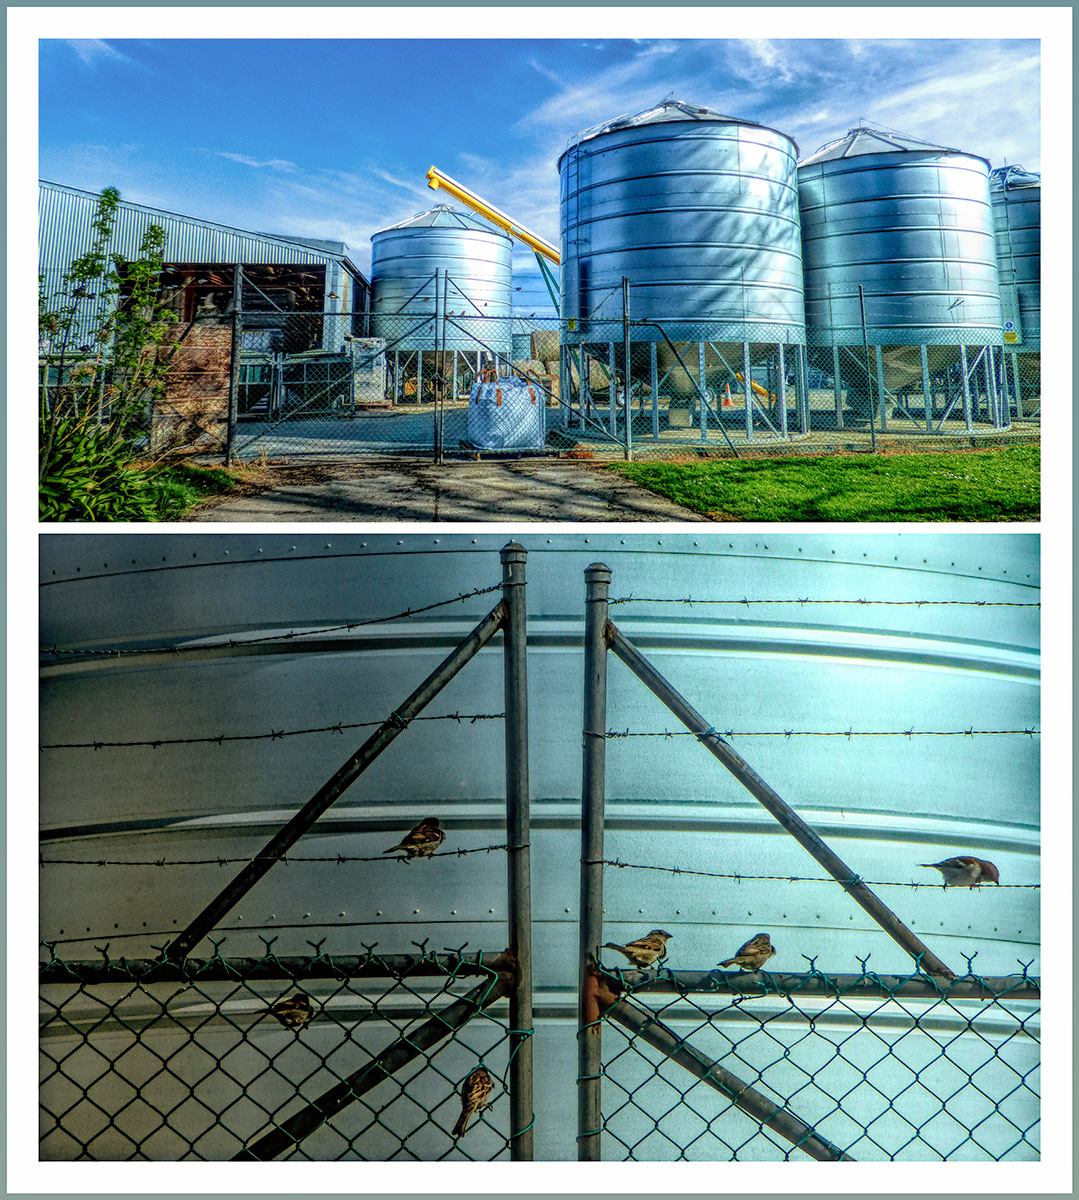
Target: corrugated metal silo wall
[700, 216]
[479, 293]
[915, 230]
[885, 804]
[1018, 223]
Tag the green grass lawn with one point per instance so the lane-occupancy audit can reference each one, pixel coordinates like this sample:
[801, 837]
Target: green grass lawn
[983, 485]
[177, 488]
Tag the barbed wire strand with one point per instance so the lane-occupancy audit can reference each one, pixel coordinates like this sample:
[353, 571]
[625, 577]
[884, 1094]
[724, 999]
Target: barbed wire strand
[273, 735]
[115, 652]
[731, 734]
[739, 878]
[807, 600]
[339, 859]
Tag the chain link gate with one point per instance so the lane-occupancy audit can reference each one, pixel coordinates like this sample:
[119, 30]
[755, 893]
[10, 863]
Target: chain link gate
[763, 1065]
[156, 1059]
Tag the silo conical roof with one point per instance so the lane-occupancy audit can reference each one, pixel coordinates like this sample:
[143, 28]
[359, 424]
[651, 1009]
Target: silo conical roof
[668, 110]
[444, 215]
[865, 140]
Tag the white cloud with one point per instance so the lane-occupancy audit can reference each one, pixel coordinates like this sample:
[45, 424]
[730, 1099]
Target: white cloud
[91, 50]
[275, 164]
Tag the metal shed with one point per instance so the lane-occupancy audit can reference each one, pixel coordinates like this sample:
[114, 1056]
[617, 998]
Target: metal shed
[287, 273]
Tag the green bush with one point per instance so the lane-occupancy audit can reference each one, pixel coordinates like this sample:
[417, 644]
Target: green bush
[87, 474]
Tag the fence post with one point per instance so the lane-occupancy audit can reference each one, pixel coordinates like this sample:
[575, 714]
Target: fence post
[519, 883]
[234, 363]
[593, 783]
[626, 373]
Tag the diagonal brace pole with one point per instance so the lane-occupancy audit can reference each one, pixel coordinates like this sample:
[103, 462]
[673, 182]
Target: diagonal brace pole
[288, 835]
[780, 1120]
[774, 803]
[295, 1128]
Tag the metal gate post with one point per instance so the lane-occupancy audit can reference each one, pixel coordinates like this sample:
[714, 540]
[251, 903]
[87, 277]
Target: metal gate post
[519, 885]
[747, 380]
[235, 364]
[593, 782]
[837, 387]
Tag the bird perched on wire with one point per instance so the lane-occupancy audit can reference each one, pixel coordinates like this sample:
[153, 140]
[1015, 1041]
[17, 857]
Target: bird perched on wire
[753, 955]
[646, 951]
[474, 1092]
[422, 841]
[965, 871]
[293, 1013]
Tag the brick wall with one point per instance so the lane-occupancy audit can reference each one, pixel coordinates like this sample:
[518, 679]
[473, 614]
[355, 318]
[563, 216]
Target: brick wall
[193, 412]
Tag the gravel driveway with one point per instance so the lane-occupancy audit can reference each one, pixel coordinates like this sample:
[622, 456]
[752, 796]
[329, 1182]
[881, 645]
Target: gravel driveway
[518, 490]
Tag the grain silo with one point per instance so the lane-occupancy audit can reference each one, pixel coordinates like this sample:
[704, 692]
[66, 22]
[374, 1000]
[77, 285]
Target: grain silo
[699, 212]
[901, 285]
[471, 262]
[1017, 216]
[198, 689]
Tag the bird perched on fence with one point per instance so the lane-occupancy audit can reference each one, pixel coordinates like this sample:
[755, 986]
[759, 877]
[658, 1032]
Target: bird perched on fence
[422, 841]
[965, 871]
[753, 955]
[293, 1013]
[646, 951]
[474, 1092]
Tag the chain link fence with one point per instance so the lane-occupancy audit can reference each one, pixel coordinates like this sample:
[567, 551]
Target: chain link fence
[767, 1067]
[208, 1059]
[327, 384]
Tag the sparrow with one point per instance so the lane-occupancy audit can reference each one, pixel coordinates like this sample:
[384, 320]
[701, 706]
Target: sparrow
[474, 1092]
[293, 1013]
[422, 842]
[965, 871]
[753, 955]
[644, 951]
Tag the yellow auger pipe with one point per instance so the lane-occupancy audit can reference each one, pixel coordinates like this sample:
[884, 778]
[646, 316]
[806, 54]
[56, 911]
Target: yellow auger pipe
[436, 180]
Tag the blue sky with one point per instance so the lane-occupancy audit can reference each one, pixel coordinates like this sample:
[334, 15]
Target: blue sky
[332, 138]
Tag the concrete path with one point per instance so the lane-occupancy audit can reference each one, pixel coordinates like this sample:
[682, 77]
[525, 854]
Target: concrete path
[520, 490]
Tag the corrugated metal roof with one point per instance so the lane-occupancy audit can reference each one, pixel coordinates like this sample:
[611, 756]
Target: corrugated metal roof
[66, 216]
[444, 215]
[864, 140]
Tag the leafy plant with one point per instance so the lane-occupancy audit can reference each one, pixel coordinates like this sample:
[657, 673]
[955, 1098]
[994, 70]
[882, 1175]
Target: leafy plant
[88, 475]
[104, 355]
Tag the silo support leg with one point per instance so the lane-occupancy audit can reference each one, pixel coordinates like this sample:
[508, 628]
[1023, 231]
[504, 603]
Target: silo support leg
[927, 394]
[654, 365]
[965, 369]
[781, 391]
[880, 392]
